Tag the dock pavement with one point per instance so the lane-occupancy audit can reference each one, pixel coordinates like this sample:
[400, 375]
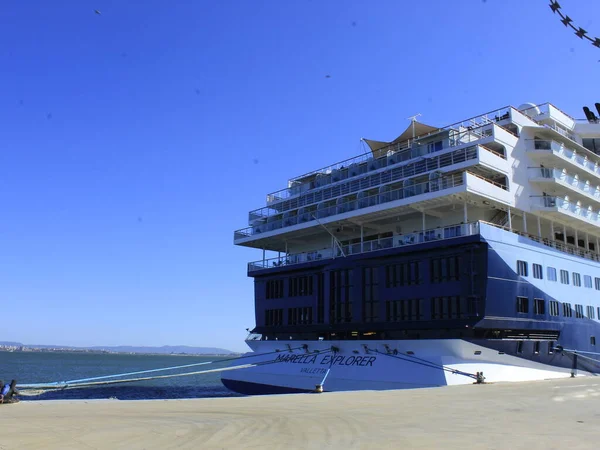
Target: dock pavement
[553, 414]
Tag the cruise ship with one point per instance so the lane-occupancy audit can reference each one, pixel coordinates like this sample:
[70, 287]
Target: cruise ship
[447, 256]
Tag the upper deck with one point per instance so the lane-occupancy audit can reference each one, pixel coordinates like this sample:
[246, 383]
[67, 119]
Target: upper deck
[535, 160]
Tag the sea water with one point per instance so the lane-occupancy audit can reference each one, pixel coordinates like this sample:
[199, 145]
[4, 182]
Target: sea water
[46, 367]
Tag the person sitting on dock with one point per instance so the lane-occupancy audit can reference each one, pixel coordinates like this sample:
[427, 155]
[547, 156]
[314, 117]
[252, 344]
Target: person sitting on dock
[8, 392]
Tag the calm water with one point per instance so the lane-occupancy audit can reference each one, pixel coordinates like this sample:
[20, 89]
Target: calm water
[50, 367]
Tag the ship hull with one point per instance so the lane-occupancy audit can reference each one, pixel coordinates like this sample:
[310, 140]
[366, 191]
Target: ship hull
[366, 365]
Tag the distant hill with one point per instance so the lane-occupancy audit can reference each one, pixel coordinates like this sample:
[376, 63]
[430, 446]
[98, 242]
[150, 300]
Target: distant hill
[164, 350]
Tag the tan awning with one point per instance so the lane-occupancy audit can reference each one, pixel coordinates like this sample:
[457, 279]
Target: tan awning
[421, 129]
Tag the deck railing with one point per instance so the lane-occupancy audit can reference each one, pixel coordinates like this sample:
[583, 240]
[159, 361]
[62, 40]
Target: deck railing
[348, 205]
[563, 204]
[577, 158]
[395, 174]
[402, 240]
[416, 237]
[580, 185]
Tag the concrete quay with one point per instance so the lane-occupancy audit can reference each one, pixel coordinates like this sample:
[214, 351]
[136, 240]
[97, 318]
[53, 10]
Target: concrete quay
[553, 414]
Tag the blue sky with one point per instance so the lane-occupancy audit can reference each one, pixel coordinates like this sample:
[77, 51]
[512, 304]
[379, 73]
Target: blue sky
[133, 143]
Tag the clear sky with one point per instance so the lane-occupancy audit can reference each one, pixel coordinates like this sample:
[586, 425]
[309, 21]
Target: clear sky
[133, 143]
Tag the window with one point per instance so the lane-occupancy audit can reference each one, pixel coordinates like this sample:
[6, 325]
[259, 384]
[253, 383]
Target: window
[551, 274]
[522, 305]
[273, 317]
[564, 277]
[522, 268]
[453, 307]
[550, 347]
[587, 281]
[593, 340]
[300, 286]
[597, 281]
[399, 310]
[537, 271]
[520, 347]
[444, 269]
[370, 297]
[539, 306]
[300, 316]
[553, 307]
[567, 310]
[579, 311]
[576, 279]
[340, 298]
[403, 274]
[590, 312]
[536, 347]
[274, 289]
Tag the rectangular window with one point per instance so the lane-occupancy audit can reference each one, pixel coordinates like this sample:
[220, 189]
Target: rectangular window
[274, 289]
[522, 268]
[537, 271]
[564, 277]
[273, 317]
[400, 310]
[370, 297]
[452, 307]
[553, 307]
[300, 316]
[536, 347]
[576, 279]
[567, 310]
[300, 286]
[579, 311]
[539, 306]
[597, 281]
[520, 347]
[591, 312]
[587, 281]
[550, 348]
[403, 274]
[340, 298]
[551, 274]
[593, 340]
[522, 305]
[444, 269]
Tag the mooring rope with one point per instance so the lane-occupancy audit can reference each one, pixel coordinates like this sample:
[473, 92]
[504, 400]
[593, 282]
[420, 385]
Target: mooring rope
[40, 388]
[140, 372]
[424, 362]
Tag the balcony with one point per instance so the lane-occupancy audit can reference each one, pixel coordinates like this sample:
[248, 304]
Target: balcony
[552, 152]
[581, 187]
[482, 129]
[381, 202]
[402, 240]
[460, 158]
[565, 210]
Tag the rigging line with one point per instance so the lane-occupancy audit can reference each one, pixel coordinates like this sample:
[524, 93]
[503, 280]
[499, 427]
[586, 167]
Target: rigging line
[252, 355]
[63, 386]
[429, 364]
[334, 238]
[578, 351]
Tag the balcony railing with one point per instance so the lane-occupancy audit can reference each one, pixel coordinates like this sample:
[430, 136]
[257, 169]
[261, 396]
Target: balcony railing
[563, 204]
[559, 245]
[464, 132]
[579, 185]
[567, 153]
[417, 237]
[348, 205]
[396, 174]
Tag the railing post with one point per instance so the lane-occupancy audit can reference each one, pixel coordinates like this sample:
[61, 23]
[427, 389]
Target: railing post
[539, 224]
[509, 220]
